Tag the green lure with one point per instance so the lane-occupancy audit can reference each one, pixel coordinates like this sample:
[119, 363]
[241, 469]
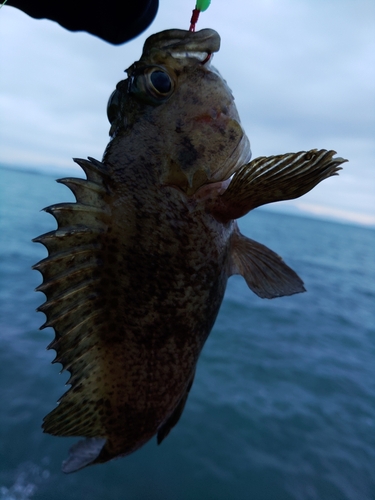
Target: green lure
[202, 5]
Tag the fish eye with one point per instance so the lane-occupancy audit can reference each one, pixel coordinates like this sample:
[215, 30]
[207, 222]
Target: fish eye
[151, 85]
[113, 106]
[161, 81]
[116, 112]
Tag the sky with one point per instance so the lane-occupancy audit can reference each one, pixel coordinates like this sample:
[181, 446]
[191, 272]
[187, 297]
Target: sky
[302, 74]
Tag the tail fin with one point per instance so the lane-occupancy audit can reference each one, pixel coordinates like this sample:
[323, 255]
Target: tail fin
[82, 454]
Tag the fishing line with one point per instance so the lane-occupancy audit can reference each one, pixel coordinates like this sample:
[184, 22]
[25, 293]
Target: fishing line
[200, 6]
[1, 4]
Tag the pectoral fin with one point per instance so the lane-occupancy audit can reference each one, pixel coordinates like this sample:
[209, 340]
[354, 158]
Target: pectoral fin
[274, 178]
[265, 272]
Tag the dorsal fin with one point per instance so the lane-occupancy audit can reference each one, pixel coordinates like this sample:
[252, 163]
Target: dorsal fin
[71, 276]
[95, 170]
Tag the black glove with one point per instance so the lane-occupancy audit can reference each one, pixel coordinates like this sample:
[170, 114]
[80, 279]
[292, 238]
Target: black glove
[114, 21]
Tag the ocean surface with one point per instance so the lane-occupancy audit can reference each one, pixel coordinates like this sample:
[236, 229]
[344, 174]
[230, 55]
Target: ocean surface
[283, 403]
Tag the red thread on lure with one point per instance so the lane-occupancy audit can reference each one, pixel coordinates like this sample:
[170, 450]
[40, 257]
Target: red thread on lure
[200, 6]
[194, 19]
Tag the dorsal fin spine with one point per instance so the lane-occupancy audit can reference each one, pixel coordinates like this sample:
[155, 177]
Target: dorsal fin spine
[71, 275]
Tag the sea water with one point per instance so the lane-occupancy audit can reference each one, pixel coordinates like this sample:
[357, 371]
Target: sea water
[283, 403]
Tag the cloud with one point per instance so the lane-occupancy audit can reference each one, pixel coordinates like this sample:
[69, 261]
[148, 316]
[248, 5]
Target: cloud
[336, 213]
[301, 73]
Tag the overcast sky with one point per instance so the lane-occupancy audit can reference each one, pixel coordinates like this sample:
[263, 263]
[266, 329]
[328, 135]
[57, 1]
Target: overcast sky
[302, 73]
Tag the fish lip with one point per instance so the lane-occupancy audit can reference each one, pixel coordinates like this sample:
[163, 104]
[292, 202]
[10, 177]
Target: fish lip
[175, 40]
[201, 56]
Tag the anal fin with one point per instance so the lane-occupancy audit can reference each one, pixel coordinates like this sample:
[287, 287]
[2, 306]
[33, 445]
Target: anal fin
[265, 273]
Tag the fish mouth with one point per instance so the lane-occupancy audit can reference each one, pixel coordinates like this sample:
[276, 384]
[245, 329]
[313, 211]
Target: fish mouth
[200, 56]
[182, 44]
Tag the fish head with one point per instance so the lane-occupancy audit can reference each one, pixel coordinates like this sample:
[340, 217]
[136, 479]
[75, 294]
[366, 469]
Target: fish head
[176, 106]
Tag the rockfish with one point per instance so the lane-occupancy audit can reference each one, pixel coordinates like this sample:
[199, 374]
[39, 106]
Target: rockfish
[137, 268]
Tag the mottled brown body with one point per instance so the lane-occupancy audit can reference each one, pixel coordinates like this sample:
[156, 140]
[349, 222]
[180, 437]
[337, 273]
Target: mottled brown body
[138, 267]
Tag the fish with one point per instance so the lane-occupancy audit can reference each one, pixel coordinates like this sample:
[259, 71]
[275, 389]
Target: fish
[138, 265]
